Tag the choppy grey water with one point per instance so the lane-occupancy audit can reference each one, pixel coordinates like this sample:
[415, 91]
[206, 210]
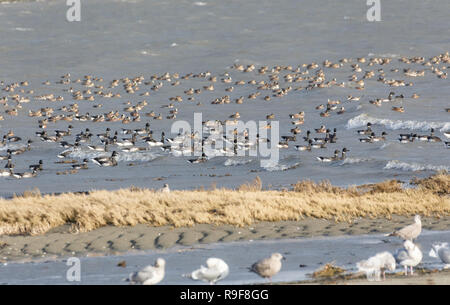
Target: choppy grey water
[303, 257]
[117, 39]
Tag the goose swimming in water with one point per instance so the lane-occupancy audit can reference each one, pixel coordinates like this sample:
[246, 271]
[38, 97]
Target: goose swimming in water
[329, 159]
[106, 161]
[366, 131]
[36, 167]
[83, 165]
[24, 175]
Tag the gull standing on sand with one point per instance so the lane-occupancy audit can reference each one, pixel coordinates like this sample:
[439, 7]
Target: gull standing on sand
[215, 271]
[409, 256]
[376, 265]
[442, 251]
[409, 232]
[150, 275]
[268, 267]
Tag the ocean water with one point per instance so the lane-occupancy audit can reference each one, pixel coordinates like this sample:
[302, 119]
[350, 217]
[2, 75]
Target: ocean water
[117, 39]
[303, 257]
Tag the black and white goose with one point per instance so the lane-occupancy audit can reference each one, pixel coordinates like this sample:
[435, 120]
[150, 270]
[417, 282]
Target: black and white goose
[329, 159]
[201, 159]
[366, 131]
[83, 165]
[25, 175]
[37, 167]
[21, 150]
[106, 161]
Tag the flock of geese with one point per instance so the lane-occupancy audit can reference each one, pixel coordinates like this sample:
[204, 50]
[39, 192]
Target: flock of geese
[265, 84]
[216, 269]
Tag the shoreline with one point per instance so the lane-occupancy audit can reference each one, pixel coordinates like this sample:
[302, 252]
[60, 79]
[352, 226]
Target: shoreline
[111, 240]
[422, 277]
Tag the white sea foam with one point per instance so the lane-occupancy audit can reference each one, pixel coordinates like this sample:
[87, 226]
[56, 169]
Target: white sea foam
[12, 146]
[414, 167]
[234, 162]
[275, 167]
[354, 160]
[362, 120]
[23, 29]
[122, 156]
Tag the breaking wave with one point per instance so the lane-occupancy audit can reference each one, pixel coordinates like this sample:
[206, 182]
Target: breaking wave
[362, 120]
[414, 167]
[275, 166]
[122, 156]
[234, 162]
[354, 160]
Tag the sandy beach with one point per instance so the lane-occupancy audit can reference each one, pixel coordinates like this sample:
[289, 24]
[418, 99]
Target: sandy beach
[304, 257]
[111, 240]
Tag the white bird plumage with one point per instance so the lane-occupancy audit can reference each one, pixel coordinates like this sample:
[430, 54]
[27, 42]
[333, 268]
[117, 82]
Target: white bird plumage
[215, 270]
[442, 251]
[150, 275]
[377, 264]
[409, 256]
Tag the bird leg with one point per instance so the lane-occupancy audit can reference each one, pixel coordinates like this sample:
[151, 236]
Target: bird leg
[406, 270]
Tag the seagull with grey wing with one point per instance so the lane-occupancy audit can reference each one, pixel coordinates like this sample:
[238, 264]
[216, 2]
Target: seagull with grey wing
[409, 232]
[268, 267]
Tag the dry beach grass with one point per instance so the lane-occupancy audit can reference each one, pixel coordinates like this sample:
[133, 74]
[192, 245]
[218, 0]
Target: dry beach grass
[33, 214]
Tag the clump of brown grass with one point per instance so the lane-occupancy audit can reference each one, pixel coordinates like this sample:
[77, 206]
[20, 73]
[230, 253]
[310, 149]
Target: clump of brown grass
[254, 186]
[388, 186]
[34, 193]
[328, 271]
[308, 186]
[439, 183]
[132, 206]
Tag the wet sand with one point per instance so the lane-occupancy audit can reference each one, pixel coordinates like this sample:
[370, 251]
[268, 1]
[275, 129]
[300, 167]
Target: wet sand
[435, 277]
[112, 240]
[304, 256]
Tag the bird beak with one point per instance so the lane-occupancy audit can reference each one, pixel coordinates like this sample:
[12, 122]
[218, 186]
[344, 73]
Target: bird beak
[284, 258]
